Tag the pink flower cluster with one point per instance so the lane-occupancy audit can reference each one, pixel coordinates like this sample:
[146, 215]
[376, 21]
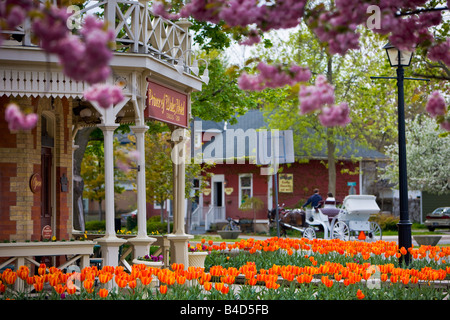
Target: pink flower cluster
[321, 97]
[337, 26]
[436, 104]
[13, 12]
[273, 76]
[105, 95]
[127, 162]
[335, 115]
[436, 108]
[84, 58]
[440, 52]
[407, 33]
[313, 98]
[271, 15]
[17, 120]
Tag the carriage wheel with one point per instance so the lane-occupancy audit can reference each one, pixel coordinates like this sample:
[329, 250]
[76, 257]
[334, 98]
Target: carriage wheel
[309, 233]
[340, 231]
[375, 233]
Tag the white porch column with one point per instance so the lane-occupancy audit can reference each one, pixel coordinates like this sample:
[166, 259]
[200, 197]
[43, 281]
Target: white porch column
[142, 242]
[110, 243]
[179, 239]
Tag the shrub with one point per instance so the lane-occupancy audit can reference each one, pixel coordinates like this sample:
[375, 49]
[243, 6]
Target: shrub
[387, 222]
[154, 225]
[131, 222]
[95, 225]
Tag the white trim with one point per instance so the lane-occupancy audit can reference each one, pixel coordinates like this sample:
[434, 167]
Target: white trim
[242, 175]
[269, 192]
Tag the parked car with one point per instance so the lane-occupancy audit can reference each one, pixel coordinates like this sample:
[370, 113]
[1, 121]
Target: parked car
[439, 218]
[124, 217]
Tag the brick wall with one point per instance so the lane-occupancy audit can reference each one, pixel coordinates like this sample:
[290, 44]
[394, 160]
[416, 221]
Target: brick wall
[20, 157]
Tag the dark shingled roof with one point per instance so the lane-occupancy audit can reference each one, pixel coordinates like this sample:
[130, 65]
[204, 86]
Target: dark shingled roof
[254, 119]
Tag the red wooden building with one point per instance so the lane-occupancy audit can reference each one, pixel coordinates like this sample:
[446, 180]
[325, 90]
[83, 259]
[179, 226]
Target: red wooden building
[238, 176]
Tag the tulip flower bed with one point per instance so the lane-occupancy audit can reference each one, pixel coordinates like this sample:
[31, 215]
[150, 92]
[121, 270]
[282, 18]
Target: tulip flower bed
[275, 268]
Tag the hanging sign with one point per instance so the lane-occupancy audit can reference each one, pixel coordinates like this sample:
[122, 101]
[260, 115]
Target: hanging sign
[166, 105]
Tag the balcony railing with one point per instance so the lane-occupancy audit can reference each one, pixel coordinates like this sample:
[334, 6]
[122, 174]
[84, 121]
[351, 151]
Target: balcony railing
[136, 29]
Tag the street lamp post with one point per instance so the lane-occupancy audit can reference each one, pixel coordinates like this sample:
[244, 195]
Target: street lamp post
[400, 59]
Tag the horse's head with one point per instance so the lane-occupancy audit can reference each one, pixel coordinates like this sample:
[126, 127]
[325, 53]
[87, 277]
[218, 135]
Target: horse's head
[271, 214]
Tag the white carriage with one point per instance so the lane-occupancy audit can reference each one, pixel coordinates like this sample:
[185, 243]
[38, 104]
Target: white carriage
[347, 222]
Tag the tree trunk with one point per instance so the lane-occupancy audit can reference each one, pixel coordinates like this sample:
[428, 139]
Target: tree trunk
[100, 210]
[81, 140]
[331, 163]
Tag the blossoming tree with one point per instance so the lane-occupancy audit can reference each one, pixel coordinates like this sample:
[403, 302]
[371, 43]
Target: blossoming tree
[408, 25]
[433, 173]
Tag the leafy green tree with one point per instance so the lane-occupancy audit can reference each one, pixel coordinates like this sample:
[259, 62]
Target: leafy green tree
[221, 99]
[93, 173]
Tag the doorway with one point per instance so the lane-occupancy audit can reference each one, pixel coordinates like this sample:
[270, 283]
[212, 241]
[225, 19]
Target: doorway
[47, 175]
[46, 190]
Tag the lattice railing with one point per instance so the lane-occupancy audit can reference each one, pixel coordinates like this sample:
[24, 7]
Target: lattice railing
[136, 29]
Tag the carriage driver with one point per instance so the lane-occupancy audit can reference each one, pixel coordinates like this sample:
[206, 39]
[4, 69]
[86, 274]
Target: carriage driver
[313, 200]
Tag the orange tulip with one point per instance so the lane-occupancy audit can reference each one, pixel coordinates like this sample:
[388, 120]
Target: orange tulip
[359, 294]
[146, 280]
[225, 289]
[30, 280]
[104, 277]
[394, 279]
[206, 277]
[103, 293]
[60, 289]
[207, 286]
[88, 285]
[163, 289]
[38, 286]
[11, 278]
[23, 272]
[71, 289]
[218, 286]
[53, 280]
[132, 284]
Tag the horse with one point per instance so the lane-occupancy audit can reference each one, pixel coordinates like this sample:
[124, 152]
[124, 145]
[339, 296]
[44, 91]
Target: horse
[295, 218]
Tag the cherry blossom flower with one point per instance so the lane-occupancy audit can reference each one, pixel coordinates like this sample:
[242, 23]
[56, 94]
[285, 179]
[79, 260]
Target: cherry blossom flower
[51, 28]
[335, 115]
[440, 52]
[315, 97]
[273, 76]
[17, 120]
[105, 95]
[436, 104]
[445, 125]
